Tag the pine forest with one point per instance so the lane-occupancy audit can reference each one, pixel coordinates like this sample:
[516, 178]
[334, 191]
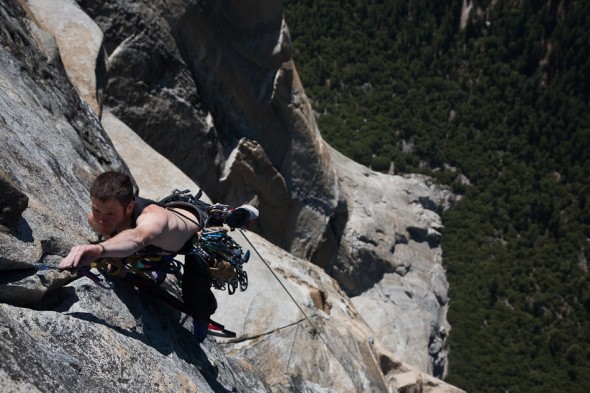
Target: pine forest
[490, 98]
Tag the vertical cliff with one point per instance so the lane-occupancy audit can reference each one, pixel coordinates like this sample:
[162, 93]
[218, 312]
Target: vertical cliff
[217, 93]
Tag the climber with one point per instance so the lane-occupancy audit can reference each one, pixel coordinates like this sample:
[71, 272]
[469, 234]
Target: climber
[129, 224]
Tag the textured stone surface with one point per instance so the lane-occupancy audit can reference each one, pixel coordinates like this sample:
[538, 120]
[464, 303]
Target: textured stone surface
[12, 202]
[275, 337]
[79, 336]
[84, 40]
[83, 345]
[149, 85]
[52, 146]
[390, 263]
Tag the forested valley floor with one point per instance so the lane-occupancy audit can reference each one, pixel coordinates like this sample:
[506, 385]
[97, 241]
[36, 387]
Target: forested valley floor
[496, 106]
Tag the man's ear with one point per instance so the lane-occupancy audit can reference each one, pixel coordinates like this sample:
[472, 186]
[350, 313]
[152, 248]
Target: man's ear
[129, 208]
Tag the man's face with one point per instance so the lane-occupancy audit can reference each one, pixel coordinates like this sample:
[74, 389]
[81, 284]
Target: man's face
[111, 215]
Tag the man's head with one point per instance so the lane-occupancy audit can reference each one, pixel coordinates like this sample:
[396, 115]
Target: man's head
[112, 202]
[112, 185]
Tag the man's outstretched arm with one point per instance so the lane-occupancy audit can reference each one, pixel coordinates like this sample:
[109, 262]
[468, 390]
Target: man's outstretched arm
[121, 245]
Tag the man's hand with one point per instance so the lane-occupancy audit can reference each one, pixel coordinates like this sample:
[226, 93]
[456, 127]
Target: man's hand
[80, 256]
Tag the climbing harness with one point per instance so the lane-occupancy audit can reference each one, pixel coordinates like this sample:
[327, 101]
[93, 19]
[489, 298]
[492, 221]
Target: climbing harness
[222, 255]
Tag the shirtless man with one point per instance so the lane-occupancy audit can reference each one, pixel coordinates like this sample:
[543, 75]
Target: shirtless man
[112, 216]
[129, 224]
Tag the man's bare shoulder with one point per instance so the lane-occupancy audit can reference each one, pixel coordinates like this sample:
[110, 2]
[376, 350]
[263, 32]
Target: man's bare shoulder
[153, 213]
[154, 208]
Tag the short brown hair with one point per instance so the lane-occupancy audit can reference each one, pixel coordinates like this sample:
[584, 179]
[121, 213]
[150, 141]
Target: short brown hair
[112, 185]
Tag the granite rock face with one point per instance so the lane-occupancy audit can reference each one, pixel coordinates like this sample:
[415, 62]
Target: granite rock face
[294, 323]
[302, 337]
[170, 73]
[59, 333]
[52, 145]
[213, 87]
[391, 261]
[82, 345]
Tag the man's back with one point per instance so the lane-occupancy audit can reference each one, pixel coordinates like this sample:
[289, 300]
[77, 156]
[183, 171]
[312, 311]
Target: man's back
[173, 227]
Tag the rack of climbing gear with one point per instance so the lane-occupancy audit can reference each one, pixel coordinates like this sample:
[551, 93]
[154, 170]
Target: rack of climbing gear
[225, 259]
[215, 247]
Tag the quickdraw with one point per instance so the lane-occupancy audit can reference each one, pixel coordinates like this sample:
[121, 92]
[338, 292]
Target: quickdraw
[81, 272]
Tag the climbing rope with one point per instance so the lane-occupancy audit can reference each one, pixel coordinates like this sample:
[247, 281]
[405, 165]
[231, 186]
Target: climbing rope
[315, 329]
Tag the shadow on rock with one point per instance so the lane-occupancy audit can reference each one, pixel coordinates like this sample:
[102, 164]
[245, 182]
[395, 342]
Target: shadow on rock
[160, 326]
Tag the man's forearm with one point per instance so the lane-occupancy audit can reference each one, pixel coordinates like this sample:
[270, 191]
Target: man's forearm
[123, 244]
